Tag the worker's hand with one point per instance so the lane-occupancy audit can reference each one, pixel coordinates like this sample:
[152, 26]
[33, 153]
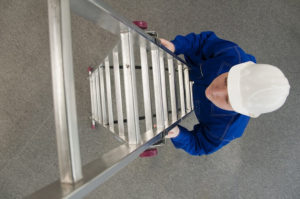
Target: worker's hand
[169, 45]
[173, 133]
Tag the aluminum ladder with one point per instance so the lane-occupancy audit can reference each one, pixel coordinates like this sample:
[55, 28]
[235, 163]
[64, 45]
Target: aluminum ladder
[108, 86]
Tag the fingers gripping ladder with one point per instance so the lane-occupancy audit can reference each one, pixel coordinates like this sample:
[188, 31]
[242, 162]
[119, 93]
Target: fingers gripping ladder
[117, 76]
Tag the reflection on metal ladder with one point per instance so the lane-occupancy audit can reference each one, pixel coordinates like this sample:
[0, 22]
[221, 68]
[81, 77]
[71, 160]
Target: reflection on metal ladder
[107, 101]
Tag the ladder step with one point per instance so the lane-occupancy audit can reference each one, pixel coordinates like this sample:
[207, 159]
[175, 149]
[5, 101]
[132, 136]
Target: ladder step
[187, 88]
[98, 97]
[109, 98]
[130, 88]
[181, 90]
[118, 91]
[191, 90]
[146, 87]
[163, 88]
[102, 94]
[157, 87]
[172, 88]
[92, 92]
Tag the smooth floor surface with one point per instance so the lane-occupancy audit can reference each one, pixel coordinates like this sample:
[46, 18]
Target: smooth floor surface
[264, 163]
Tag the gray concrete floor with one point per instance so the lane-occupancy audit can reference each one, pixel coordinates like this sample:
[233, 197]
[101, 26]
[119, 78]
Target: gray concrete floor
[264, 163]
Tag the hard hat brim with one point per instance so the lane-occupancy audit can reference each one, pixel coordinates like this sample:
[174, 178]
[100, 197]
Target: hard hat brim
[234, 88]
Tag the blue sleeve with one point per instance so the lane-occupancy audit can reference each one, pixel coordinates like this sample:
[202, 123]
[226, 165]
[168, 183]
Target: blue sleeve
[205, 44]
[195, 142]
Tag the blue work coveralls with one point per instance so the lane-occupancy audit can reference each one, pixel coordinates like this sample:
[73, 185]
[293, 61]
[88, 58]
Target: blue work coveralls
[209, 56]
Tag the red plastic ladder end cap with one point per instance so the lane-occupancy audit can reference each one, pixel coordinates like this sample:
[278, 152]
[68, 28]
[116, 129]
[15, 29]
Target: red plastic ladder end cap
[149, 153]
[90, 69]
[141, 24]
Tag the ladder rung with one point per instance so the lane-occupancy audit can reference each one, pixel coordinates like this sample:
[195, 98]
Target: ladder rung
[118, 92]
[98, 98]
[108, 92]
[163, 85]
[191, 89]
[134, 89]
[130, 88]
[172, 88]
[92, 92]
[187, 88]
[157, 87]
[146, 87]
[181, 90]
[102, 92]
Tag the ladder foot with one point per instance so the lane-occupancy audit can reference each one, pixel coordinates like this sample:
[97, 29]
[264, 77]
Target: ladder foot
[93, 126]
[149, 153]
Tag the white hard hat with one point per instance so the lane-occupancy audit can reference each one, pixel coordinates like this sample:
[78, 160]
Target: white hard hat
[254, 89]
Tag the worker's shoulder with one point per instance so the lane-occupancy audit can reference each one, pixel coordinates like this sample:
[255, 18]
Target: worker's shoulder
[237, 127]
[227, 127]
[225, 48]
[233, 55]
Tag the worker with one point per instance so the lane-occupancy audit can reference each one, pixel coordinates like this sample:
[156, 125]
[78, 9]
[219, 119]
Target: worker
[229, 88]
